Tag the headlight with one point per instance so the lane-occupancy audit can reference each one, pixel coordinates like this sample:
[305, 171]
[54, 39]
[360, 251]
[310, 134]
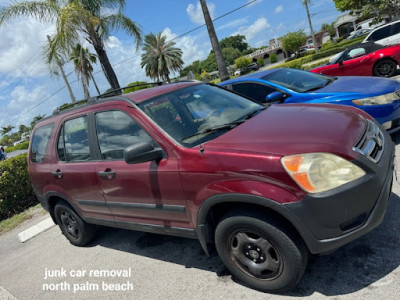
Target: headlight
[319, 172]
[377, 100]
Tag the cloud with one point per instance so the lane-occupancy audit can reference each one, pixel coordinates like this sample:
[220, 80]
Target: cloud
[250, 32]
[21, 48]
[278, 9]
[233, 23]
[195, 12]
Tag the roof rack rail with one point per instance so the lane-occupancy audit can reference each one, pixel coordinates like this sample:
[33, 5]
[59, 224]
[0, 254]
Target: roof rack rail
[69, 105]
[118, 91]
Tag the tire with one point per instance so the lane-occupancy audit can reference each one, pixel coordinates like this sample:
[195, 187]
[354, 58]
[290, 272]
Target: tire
[259, 254]
[385, 68]
[78, 232]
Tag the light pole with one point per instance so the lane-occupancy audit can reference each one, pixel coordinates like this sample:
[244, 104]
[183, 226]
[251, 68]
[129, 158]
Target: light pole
[305, 3]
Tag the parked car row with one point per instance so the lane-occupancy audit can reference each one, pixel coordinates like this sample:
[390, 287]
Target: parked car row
[251, 67]
[267, 185]
[365, 59]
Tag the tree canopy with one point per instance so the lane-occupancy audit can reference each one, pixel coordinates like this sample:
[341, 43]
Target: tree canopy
[380, 8]
[93, 20]
[292, 41]
[236, 42]
[160, 56]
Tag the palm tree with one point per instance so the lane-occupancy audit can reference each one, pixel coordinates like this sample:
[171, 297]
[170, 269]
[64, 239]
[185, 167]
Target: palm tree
[56, 61]
[6, 129]
[223, 72]
[36, 119]
[76, 19]
[83, 61]
[160, 57]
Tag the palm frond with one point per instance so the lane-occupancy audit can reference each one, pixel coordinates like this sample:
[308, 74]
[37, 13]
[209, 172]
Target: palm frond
[42, 10]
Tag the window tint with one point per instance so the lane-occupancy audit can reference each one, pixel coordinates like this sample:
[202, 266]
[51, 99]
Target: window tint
[258, 92]
[40, 140]
[396, 28]
[379, 34]
[76, 144]
[116, 131]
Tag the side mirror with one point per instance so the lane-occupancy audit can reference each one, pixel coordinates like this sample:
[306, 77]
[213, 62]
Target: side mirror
[340, 63]
[274, 97]
[142, 152]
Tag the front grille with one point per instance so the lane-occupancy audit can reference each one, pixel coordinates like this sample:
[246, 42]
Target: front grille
[371, 143]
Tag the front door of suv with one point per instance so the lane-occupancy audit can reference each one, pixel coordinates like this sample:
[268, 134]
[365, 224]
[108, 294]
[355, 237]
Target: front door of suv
[143, 193]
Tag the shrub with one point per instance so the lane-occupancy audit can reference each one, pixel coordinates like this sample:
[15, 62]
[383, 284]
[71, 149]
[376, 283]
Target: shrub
[22, 146]
[16, 193]
[261, 62]
[272, 58]
[242, 62]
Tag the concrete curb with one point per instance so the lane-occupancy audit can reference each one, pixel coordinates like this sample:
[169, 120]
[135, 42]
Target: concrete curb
[35, 230]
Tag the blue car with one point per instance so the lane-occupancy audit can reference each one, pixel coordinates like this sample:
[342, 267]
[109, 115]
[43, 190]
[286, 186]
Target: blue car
[379, 97]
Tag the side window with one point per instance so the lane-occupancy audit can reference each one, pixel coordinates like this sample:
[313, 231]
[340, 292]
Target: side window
[40, 140]
[396, 28]
[258, 92]
[116, 131]
[354, 53]
[73, 143]
[379, 34]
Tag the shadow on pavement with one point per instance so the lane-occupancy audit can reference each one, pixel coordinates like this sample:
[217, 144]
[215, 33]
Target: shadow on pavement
[349, 269]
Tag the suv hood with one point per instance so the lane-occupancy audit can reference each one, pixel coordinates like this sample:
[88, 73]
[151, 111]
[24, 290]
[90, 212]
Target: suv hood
[295, 128]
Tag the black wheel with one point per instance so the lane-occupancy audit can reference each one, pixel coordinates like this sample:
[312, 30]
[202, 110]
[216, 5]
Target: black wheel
[385, 68]
[78, 232]
[259, 254]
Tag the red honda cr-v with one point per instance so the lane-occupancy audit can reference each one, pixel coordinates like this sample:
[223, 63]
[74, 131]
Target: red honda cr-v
[265, 185]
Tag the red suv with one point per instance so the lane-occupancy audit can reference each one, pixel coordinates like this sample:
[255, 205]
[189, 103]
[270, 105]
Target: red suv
[267, 185]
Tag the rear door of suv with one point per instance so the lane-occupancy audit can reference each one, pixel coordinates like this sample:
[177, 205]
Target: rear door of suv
[74, 168]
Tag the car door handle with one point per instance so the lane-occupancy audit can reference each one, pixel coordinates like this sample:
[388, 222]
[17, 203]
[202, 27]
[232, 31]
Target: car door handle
[57, 174]
[107, 174]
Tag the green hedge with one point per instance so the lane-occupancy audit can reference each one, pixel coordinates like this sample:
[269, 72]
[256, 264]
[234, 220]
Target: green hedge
[16, 192]
[22, 146]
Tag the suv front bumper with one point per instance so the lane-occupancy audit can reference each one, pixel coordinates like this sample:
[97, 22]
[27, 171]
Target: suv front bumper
[329, 220]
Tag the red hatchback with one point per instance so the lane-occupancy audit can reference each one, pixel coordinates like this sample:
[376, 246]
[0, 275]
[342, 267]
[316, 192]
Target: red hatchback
[265, 185]
[366, 59]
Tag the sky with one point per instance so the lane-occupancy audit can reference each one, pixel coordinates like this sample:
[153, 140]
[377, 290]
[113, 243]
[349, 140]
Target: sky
[27, 89]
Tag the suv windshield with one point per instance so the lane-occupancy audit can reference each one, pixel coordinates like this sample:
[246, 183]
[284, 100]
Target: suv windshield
[298, 80]
[199, 113]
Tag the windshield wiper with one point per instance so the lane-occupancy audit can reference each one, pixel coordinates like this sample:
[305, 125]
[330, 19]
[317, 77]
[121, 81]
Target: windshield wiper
[254, 112]
[214, 128]
[328, 81]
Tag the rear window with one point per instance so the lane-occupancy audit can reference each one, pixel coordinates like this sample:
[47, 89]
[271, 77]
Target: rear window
[40, 140]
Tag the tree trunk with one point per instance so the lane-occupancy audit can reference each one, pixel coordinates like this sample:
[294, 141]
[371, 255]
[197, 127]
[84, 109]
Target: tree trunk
[105, 63]
[71, 94]
[223, 72]
[95, 84]
[59, 64]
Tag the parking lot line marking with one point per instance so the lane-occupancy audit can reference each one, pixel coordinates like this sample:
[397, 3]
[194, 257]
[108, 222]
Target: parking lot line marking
[6, 295]
[35, 230]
